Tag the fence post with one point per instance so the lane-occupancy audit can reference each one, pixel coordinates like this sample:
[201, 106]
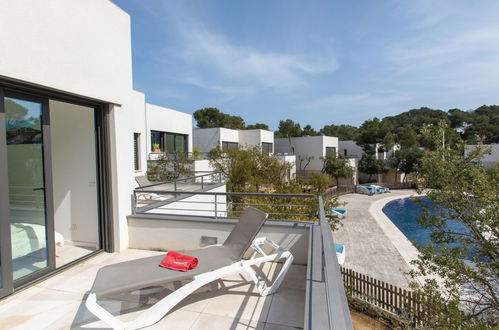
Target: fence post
[202, 182]
[216, 213]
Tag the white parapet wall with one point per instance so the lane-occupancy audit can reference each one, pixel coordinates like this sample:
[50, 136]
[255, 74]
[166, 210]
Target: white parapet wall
[168, 120]
[169, 233]
[196, 205]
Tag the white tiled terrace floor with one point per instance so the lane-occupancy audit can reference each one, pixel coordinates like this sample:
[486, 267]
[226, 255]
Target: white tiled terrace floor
[58, 302]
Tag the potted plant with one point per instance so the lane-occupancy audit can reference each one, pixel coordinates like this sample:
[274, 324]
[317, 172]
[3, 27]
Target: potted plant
[155, 147]
[196, 153]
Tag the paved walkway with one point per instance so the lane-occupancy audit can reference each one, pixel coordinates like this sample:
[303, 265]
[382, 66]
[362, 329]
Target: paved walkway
[374, 245]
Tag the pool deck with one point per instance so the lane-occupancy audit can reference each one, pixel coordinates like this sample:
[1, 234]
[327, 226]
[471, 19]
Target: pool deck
[374, 245]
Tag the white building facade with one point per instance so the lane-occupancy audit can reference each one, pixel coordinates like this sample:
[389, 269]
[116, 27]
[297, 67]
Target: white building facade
[309, 150]
[73, 135]
[206, 139]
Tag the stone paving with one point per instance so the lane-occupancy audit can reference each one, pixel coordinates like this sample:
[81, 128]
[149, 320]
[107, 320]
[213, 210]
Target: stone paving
[374, 245]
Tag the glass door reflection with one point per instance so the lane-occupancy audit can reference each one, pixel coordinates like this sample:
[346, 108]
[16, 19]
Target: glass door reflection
[28, 219]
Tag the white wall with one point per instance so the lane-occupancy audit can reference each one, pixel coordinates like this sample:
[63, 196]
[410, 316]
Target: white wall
[290, 159]
[306, 146]
[197, 205]
[74, 173]
[228, 135]
[206, 139]
[138, 125]
[490, 160]
[149, 234]
[353, 150]
[250, 138]
[81, 47]
[168, 120]
[78, 46]
[255, 137]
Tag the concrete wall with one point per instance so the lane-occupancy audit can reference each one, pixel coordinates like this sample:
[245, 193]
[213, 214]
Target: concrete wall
[138, 125]
[78, 46]
[306, 146]
[250, 138]
[206, 139]
[81, 47]
[197, 205]
[184, 234]
[74, 173]
[168, 120]
[229, 135]
[290, 159]
[353, 150]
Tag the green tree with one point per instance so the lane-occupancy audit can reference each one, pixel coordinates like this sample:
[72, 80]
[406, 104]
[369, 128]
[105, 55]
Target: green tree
[257, 126]
[337, 167]
[407, 137]
[406, 160]
[309, 130]
[372, 132]
[288, 129]
[247, 170]
[342, 132]
[169, 167]
[370, 165]
[460, 267]
[212, 117]
[319, 182]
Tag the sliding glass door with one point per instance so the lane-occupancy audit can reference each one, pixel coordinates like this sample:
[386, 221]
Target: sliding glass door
[53, 200]
[28, 176]
[27, 186]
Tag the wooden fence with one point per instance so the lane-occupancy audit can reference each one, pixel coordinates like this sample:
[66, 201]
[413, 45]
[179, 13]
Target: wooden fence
[388, 297]
[341, 190]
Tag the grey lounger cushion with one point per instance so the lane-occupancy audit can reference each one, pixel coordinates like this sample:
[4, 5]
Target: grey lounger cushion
[145, 272]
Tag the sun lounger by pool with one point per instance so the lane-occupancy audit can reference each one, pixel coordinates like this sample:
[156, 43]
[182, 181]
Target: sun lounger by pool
[340, 253]
[215, 262]
[366, 190]
[340, 212]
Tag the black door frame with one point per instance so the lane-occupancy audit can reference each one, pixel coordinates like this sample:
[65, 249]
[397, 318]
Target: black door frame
[102, 121]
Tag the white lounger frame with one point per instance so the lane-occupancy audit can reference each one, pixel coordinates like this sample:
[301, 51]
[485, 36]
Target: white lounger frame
[156, 312]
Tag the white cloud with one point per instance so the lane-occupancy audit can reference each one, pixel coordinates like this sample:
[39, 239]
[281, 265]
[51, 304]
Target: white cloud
[211, 60]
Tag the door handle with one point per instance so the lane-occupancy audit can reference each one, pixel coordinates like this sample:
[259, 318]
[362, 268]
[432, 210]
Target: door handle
[39, 188]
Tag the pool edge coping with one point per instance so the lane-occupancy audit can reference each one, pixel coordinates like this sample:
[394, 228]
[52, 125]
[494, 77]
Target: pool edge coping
[404, 246]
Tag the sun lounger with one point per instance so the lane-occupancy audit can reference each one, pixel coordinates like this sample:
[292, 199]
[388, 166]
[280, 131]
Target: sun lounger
[340, 212]
[340, 253]
[215, 262]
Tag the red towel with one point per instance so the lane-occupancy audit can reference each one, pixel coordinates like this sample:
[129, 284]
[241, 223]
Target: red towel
[176, 261]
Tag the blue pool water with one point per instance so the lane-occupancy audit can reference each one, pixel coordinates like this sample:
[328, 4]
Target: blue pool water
[404, 214]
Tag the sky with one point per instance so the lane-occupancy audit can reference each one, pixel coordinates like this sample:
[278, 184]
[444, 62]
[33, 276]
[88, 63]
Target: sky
[315, 62]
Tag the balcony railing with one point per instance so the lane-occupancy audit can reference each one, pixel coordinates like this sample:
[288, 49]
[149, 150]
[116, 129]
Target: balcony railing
[175, 156]
[326, 305]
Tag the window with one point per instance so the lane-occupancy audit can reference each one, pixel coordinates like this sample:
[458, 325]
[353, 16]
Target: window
[136, 151]
[330, 151]
[229, 145]
[267, 147]
[345, 151]
[168, 142]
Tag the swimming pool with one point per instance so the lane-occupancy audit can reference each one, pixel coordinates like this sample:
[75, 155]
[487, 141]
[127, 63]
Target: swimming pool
[404, 214]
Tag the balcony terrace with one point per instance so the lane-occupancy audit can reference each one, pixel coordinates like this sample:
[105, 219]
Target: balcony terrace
[311, 296]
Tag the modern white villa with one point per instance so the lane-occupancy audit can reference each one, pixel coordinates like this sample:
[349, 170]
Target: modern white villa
[168, 131]
[206, 139]
[309, 150]
[353, 151]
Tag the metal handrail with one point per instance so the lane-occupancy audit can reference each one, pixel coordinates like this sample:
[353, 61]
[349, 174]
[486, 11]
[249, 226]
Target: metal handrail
[339, 315]
[208, 173]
